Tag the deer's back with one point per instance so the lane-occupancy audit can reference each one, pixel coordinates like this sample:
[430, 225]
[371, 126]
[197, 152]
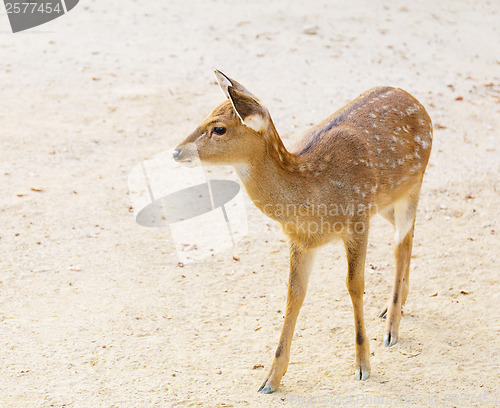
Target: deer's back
[373, 149]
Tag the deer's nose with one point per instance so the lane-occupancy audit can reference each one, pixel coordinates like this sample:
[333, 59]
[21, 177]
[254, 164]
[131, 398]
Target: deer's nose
[176, 154]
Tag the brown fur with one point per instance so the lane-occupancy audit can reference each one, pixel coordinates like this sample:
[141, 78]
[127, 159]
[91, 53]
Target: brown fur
[368, 157]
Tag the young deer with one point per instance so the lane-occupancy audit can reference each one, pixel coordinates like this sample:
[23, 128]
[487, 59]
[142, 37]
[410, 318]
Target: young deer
[368, 157]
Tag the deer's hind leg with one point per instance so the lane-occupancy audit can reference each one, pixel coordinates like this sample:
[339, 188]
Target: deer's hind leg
[402, 215]
[388, 214]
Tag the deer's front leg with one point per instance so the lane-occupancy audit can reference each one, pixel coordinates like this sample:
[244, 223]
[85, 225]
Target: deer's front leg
[300, 266]
[356, 254]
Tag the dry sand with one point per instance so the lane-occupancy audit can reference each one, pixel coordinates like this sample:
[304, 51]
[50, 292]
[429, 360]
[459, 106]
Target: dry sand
[94, 311]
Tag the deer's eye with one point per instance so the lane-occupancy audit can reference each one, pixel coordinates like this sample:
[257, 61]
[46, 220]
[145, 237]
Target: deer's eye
[219, 130]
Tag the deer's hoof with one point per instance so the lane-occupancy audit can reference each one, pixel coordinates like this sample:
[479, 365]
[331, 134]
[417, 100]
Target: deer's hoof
[362, 374]
[267, 389]
[390, 339]
[383, 314]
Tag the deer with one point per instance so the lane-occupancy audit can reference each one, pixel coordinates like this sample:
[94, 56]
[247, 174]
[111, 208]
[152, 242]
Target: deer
[368, 157]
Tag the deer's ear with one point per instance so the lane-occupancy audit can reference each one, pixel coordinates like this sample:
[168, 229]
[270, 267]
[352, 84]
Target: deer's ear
[249, 110]
[225, 82]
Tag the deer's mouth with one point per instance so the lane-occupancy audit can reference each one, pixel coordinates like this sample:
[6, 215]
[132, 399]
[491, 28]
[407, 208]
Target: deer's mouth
[187, 162]
[185, 157]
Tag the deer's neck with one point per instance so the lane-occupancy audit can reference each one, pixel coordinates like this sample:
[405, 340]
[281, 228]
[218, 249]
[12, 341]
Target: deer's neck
[272, 178]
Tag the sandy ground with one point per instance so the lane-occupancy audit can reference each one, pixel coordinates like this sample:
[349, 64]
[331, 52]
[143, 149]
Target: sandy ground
[94, 311]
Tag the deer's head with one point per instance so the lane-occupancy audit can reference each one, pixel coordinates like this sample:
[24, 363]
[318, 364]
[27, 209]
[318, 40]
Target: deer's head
[235, 131]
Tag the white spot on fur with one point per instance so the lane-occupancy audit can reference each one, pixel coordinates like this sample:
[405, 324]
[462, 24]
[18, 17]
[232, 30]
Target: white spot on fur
[352, 113]
[416, 167]
[372, 115]
[411, 109]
